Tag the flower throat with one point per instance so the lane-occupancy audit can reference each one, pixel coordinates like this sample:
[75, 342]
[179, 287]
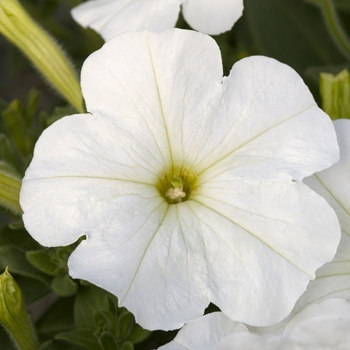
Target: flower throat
[177, 185]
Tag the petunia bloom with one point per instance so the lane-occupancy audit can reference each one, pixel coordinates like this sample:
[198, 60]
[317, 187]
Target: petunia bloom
[187, 185]
[321, 326]
[113, 17]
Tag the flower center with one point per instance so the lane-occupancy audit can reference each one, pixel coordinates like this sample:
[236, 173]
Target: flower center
[177, 185]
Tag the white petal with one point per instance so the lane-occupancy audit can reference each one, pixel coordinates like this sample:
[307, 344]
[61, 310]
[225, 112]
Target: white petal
[244, 241]
[264, 241]
[173, 91]
[204, 333]
[332, 279]
[330, 307]
[322, 326]
[269, 129]
[268, 126]
[82, 168]
[153, 262]
[112, 17]
[248, 341]
[212, 17]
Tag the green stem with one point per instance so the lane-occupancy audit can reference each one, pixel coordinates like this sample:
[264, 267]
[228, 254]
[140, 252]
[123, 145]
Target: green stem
[334, 26]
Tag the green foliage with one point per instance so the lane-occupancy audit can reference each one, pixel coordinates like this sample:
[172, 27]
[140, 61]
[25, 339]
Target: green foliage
[101, 324]
[42, 261]
[82, 337]
[19, 132]
[53, 262]
[15, 259]
[64, 285]
[18, 119]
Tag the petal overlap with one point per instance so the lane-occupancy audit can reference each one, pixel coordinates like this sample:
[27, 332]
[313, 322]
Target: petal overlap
[205, 333]
[322, 326]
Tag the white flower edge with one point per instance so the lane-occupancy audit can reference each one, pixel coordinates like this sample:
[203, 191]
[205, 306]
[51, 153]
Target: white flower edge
[204, 333]
[320, 326]
[113, 17]
[333, 278]
[167, 262]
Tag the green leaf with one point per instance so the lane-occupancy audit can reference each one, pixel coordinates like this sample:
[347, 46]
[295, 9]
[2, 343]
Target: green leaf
[111, 305]
[108, 341]
[127, 346]
[88, 300]
[15, 259]
[105, 320]
[125, 324]
[42, 261]
[138, 334]
[82, 337]
[64, 285]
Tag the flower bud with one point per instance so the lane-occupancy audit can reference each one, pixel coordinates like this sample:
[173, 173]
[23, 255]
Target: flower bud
[335, 93]
[13, 315]
[41, 49]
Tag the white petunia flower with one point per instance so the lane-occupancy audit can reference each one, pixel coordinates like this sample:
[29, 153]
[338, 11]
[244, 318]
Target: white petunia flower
[112, 17]
[332, 279]
[323, 326]
[186, 184]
